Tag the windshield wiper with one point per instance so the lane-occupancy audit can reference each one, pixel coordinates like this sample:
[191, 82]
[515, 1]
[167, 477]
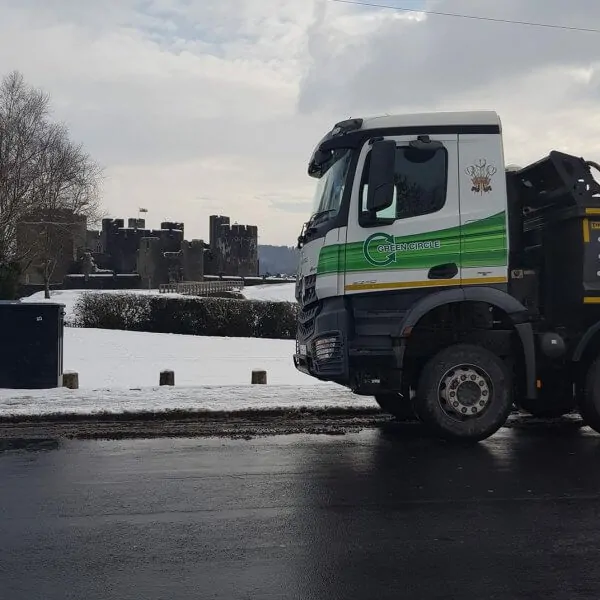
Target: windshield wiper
[309, 226]
[318, 215]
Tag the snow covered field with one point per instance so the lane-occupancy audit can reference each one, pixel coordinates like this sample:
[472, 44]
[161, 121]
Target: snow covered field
[119, 371]
[275, 292]
[128, 359]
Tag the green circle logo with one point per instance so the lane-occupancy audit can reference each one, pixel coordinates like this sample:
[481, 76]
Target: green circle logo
[380, 249]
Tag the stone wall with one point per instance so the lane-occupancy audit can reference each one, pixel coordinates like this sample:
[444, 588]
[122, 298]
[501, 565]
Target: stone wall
[157, 267]
[121, 244]
[233, 248]
[193, 260]
[163, 255]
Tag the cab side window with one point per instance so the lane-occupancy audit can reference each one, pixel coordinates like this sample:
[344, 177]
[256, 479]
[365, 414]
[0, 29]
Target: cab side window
[420, 183]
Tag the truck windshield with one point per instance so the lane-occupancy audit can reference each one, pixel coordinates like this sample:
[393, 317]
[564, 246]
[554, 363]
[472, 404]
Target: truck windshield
[330, 188]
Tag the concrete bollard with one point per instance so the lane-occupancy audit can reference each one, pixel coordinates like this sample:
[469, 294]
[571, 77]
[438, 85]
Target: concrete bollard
[70, 380]
[259, 377]
[167, 378]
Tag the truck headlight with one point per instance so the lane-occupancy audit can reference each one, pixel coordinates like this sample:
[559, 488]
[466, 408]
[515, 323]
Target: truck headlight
[326, 347]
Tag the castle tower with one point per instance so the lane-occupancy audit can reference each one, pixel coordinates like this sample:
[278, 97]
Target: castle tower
[193, 260]
[216, 224]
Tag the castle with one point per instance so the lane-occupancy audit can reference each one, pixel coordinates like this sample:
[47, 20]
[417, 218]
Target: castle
[153, 256]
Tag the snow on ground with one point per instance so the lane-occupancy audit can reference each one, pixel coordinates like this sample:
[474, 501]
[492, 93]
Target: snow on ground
[119, 371]
[205, 398]
[275, 292]
[125, 359]
[66, 297]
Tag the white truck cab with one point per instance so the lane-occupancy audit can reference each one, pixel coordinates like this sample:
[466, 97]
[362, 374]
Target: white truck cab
[418, 254]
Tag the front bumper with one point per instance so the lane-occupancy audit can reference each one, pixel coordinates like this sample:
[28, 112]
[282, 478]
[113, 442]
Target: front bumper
[323, 357]
[321, 341]
[302, 364]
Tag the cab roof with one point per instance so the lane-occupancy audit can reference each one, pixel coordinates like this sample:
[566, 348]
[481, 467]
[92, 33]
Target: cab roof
[433, 119]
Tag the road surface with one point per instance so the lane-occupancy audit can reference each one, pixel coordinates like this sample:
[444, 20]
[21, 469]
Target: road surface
[379, 514]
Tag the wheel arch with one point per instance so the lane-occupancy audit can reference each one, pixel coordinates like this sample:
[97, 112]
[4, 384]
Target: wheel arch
[516, 312]
[589, 340]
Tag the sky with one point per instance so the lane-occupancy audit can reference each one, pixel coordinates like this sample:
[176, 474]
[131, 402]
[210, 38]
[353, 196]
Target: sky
[200, 107]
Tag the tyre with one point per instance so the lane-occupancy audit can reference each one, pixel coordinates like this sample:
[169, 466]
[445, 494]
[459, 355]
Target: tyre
[545, 408]
[464, 393]
[589, 397]
[555, 398]
[396, 405]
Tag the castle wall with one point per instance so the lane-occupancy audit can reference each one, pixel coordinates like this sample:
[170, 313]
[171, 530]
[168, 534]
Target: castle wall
[150, 263]
[160, 255]
[233, 248]
[193, 260]
[216, 222]
[136, 223]
[121, 244]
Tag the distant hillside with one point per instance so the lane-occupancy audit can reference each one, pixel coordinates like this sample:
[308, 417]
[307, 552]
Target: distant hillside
[277, 260]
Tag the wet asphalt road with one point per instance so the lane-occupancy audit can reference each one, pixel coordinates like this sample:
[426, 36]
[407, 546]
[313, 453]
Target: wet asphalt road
[370, 516]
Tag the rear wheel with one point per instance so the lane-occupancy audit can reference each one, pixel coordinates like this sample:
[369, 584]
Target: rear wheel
[547, 409]
[554, 399]
[464, 392]
[396, 405]
[589, 397]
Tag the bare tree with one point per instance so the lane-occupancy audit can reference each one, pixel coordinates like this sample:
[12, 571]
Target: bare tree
[47, 182]
[23, 121]
[53, 240]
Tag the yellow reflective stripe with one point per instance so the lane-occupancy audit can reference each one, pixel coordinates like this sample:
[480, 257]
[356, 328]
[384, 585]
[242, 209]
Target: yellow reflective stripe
[591, 300]
[586, 230]
[592, 211]
[394, 285]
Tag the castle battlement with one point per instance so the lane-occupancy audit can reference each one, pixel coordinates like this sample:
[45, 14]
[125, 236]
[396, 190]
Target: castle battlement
[232, 249]
[244, 231]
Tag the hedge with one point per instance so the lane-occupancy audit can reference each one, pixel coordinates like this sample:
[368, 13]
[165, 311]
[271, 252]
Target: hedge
[187, 315]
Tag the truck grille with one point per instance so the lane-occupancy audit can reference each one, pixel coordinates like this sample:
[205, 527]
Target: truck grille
[328, 353]
[306, 321]
[306, 293]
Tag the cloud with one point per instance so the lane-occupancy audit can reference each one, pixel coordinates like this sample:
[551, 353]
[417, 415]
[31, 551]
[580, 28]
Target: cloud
[215, 106]
[543, 82]
[407, 62]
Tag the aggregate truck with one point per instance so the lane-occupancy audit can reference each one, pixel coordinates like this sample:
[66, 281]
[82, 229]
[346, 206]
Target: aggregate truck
[447, 285]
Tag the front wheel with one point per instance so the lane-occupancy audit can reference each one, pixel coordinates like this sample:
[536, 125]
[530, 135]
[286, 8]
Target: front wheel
[464, 392]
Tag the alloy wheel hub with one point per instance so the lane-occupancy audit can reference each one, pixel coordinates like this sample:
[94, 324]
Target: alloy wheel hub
[465, 391]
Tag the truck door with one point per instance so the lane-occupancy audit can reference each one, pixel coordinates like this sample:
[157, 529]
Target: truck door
[483, 210]
[416, 243]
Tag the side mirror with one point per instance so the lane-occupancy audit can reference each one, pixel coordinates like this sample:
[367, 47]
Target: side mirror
[380, 194]
[319, 158]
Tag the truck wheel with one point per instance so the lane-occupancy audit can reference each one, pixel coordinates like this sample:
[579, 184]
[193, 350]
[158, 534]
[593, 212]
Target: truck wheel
[396, 405]
[589, 397]
[555, 398]
[464, 392]
[547, 408]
